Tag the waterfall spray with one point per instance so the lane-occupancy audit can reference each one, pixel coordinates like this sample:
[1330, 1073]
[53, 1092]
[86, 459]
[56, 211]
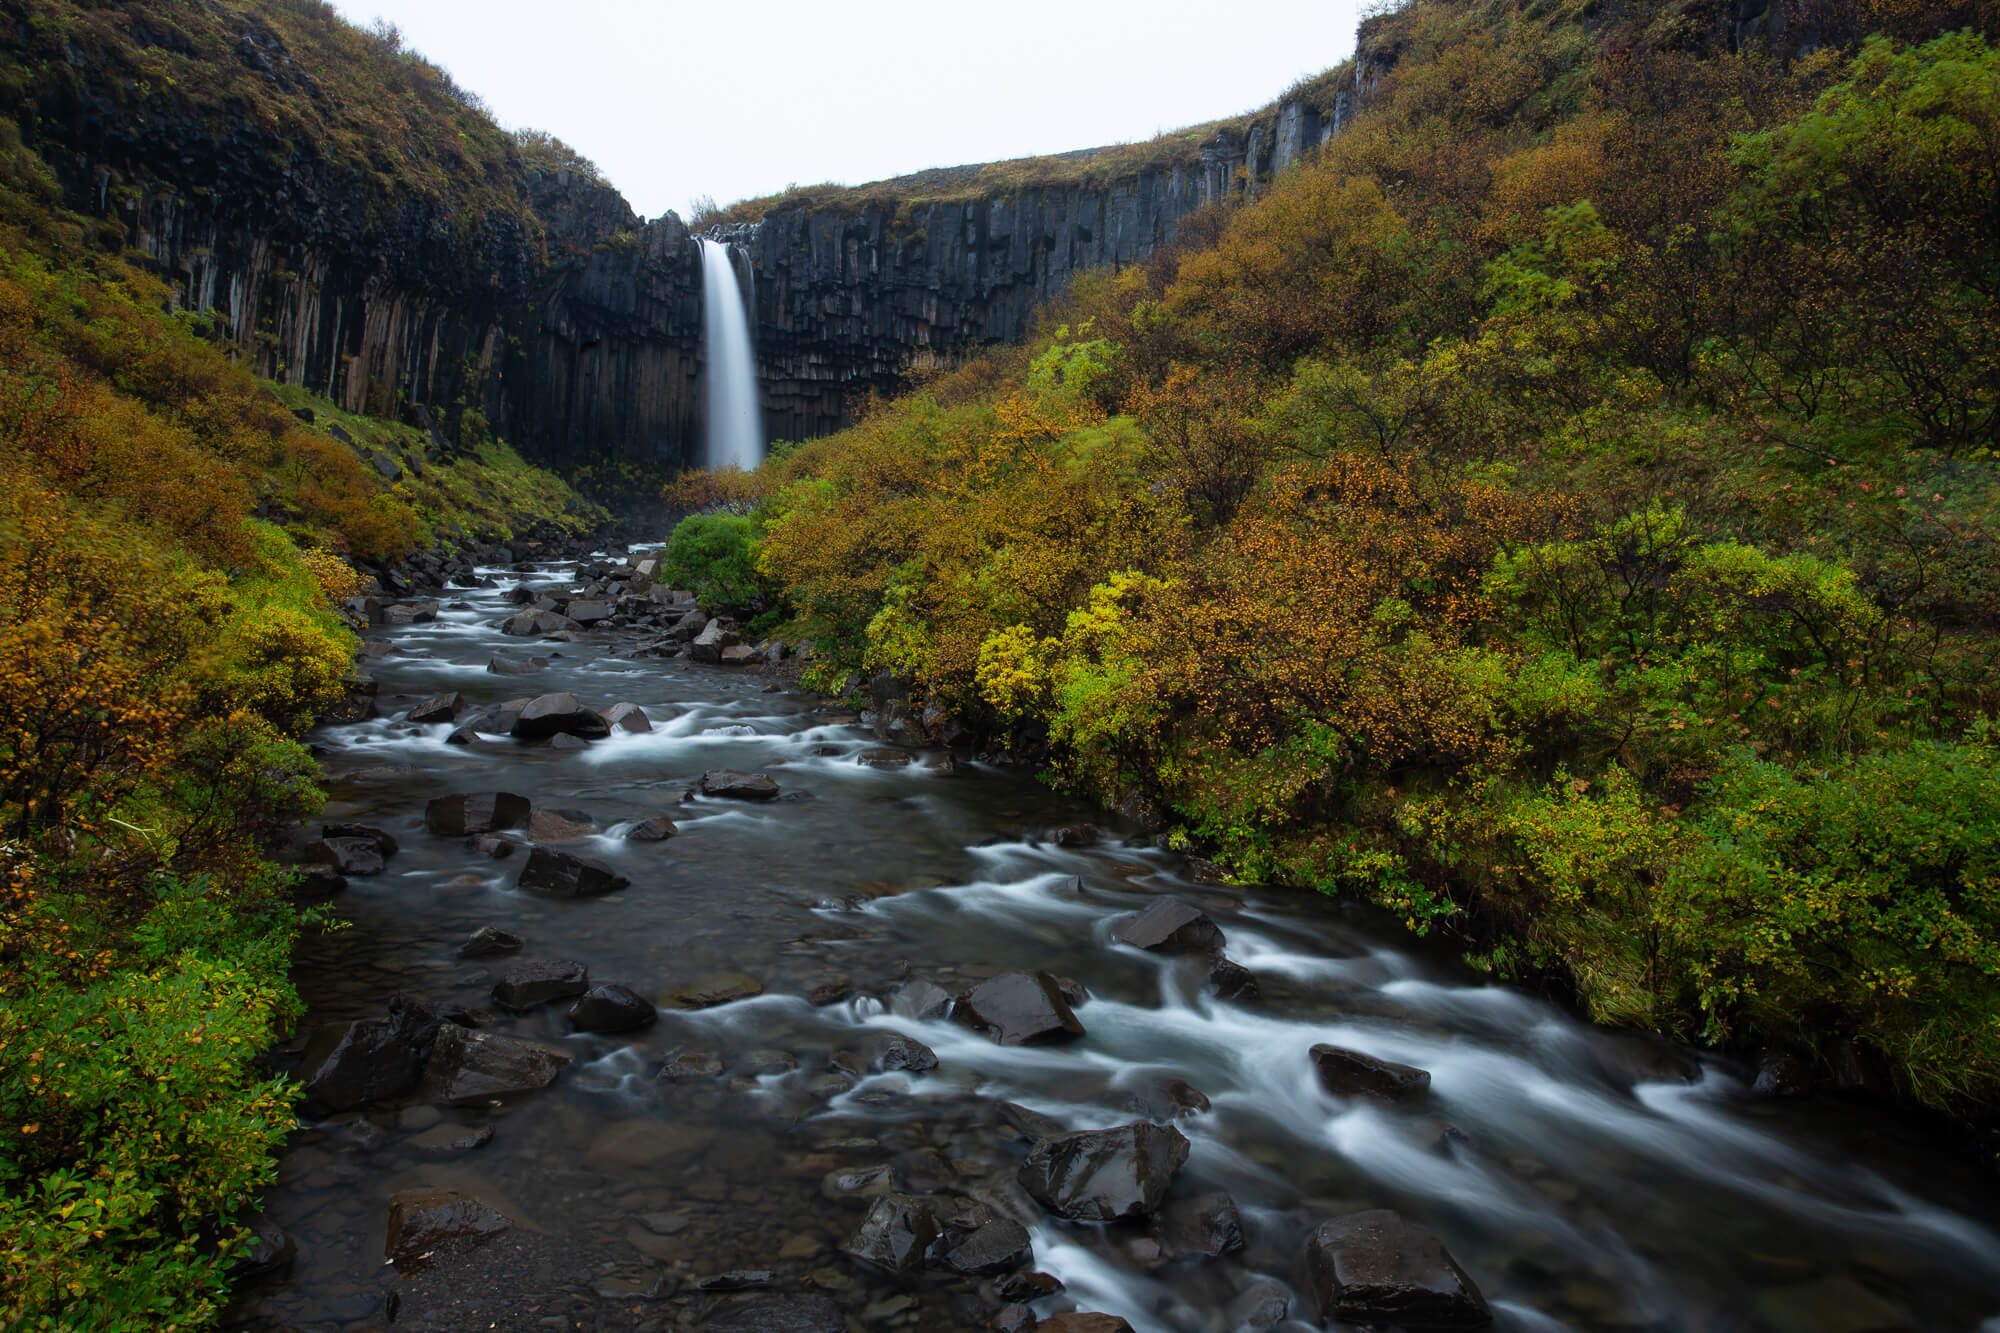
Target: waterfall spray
[735, 423]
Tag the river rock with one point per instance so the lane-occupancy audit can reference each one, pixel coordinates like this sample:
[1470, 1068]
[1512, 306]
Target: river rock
[553, 873]
[1375, 1268]
[1019, 1009]
[1169, 925]
[785, 1314]
[523, 986]
[469, 1068]
[588, 613]
[316, 883]
[1103, 1175]
[448, 1140]
[563, 741]
[612, 1009]
[271, 1253]
[483, 812]
[549, 715]
[368, 833]
[654, 828]
[738, 654]
[1084, 1321]
[922, 1001]
[1000, 1246]
[512, 666]
[1230, 980]
[489, 942]
[901, 1052]
[1207, 1226]
[896, 1236]
[719, 988]
[349, 856]
[1348, 1073]
[1781, 1074]
[628, 718]
[1166, 1099]
[425, 1221]
[371, 1060]
[708, 645]
[437, 708]
[529, 624]
[885, 758]
[735, 786]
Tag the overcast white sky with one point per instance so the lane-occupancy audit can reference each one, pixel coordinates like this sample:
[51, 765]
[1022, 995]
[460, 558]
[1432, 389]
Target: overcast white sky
[675, 101]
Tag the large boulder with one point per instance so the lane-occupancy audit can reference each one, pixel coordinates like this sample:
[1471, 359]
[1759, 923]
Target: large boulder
[731, 785]
[372, 1060]
[423, 1222]
[1230, 980]
[1348, 1073]
[523, 986]
[558, 714]
[589, 612]
[531, 624]
[612, 1008]
[479, 812]
[708, 645]
[627, 717]
[1375, 1268]
[1104, 1175]
[469, 1068]
[896, 1236]
[1169, 925]
[437, 708]
[385, 845]
[559, 874]
[1019, 1009]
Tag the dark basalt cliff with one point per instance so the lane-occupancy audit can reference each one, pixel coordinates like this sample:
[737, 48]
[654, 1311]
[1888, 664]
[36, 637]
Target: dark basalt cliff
[570, 325]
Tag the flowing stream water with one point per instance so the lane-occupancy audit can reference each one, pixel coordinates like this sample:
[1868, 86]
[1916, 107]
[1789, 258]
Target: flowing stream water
[1587, 1186]
[735, 421]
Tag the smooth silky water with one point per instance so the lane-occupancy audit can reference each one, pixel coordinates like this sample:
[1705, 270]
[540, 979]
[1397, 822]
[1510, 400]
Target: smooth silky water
[1583, 1195]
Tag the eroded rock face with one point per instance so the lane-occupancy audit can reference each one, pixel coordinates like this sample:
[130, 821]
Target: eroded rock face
[480, 812]
[1348, 1073]
[1375, 1268]
[470, 1068]
[1169, 925]
[1104, 1175]
[424, 1221]
[558, 715]
[896, 1236]
[553, 873]
[1019, 1009]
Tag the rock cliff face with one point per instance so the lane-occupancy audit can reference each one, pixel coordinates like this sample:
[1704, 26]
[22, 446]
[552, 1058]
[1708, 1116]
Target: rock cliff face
[570, 326]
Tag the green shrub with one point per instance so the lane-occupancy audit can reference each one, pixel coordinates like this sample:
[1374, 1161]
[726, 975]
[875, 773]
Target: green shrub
[715, 555]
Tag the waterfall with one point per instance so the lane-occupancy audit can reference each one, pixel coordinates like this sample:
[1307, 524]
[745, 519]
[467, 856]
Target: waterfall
[735, 423]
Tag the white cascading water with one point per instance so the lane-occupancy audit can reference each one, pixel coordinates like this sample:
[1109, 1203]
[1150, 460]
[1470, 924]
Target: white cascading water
[735, 423]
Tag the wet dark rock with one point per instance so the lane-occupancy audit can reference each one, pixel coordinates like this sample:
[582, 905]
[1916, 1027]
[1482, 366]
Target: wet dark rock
[1019, 1009]
[317, 883]
[1027, 1286]
[1347, 1073]
[612, 1008]
[654, 828]
[437, 708]
[448, 1140]
[1084, 1321]
[905, 1053]
[566, 742]
[587, 613]
[1169, 925]
[523, 986]
[1029, 1125]
[470, 1068]
[1375, 1268]
[1072, 991]
[1781, 1074]
[736, 1279]
[558, 826]
[686, 1065]
[896, 1236]
[372, 1060]
[554, 873]
[380, 840]
[482, 812]
[423, 1222]
[1230, 980]
[719, 988]
[492, 845]
[1859, 1069]
[884, 758]
[514, 666]
[463, 736]
[270, 1253]
[1000, 1246]
[828, 988]
[1013, 1319]
[922, 1001]
[1631, 1058]
[349, 856]
[550, 715]
[628, 718]
[529, 624]
[1261, 1306]
[1207, 1226]
[786, 1314]
[731, 785]
[923, 1171]
[1103, 1175]
[489, 942]
[453, 1012]
[1078, 835]
[1167, 1099]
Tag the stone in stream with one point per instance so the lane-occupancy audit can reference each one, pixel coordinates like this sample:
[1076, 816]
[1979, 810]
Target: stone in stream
[469, 1068]
[524, 986]
[316, 883]
[563, 741]
[559, 826]
[423, 1222]
[1019, 1009]
[446, 1140]
[708, 645]
[371, 1060]
[437, 708]
[382, 842]
[781, 1314]
[1104, 1175]
[686, 1065]
[1375, 1268]
[738, 654]
[1000, 1246]
[922, 1001]
[1781, 1074]
[1084, 1321]
[528, 624]
[899, 1052]
[559, 874]
[510, 666]
[1230, 980]
[588, 613]
[549, 715]
[720, 988]
[1169, 925]
[490, 942]
[612, 1008]
[896, 1236]
[349, 856]
[627, 717]
[271, 1253]
[492, 845]
[732, 785]
[1348, 1073]
[463, 735]
[482, 812]
[884, 758]
[1204, 1225]
[1260, 1306]
[1167, 1099]
[654, 828]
